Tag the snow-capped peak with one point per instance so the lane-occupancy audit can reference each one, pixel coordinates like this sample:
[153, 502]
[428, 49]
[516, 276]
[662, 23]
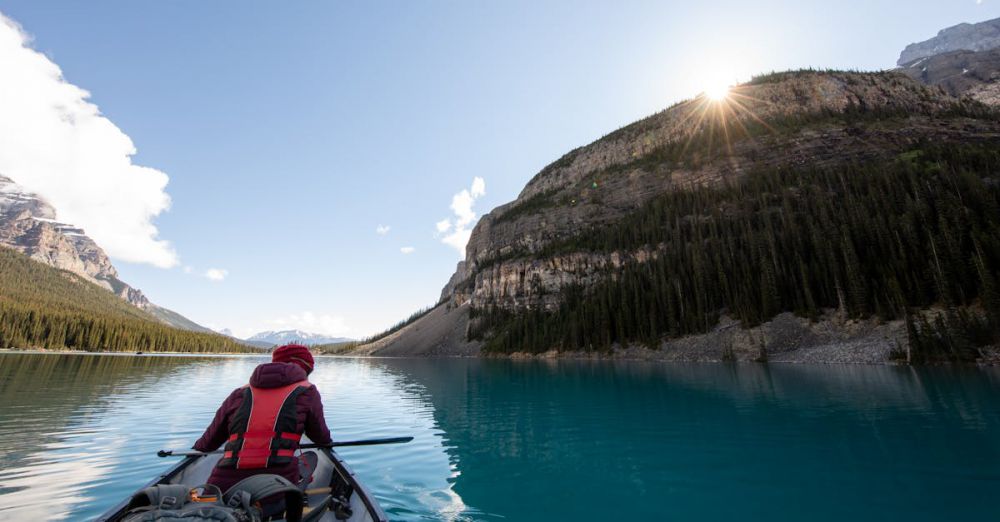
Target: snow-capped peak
[294, 336]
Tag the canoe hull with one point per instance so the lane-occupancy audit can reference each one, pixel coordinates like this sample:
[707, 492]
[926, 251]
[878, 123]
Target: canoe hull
[332, 473]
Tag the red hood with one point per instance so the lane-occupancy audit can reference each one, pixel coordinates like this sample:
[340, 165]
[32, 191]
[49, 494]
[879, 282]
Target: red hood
[276, 375]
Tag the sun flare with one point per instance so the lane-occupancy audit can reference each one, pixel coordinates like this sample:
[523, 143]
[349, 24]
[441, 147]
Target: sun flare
[717, 91]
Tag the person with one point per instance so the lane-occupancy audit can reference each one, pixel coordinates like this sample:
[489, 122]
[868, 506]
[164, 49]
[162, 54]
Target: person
[261, 423]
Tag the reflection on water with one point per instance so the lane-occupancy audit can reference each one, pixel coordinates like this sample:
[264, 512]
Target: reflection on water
[79, 432]
[54, 451]
[551, 440]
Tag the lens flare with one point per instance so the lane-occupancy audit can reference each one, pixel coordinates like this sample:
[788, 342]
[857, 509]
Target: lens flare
[717, 91]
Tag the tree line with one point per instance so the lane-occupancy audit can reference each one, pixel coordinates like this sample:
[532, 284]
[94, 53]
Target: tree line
[43, 307]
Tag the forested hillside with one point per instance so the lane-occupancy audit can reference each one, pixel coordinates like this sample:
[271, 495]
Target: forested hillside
[44, 307]
[872, 239]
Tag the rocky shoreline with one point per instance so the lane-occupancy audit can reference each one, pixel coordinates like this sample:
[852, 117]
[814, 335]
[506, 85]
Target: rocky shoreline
[784, 339]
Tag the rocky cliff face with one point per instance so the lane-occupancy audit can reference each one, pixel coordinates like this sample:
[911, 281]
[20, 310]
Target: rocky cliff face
[969, 37]
[28, 224]
[766, 122]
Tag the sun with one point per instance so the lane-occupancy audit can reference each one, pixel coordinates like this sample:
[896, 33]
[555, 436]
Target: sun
[717, 90]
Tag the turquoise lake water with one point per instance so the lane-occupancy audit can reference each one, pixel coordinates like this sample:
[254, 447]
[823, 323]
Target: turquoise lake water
[557, 440]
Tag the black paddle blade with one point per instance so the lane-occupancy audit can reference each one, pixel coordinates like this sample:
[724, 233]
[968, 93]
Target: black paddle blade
[366, 442]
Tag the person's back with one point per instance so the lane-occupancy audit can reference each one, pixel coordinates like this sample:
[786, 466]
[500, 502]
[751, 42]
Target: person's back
[261, 423]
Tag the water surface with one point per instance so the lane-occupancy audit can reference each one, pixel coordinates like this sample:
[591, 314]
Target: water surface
[553, 440]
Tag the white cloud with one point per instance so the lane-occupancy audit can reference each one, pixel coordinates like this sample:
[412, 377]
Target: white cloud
[407, 250]
[313, 323]
[382, 229]
[461, 205]
[216, 274]
[465, 217]
[188, 269]
[56, 144]
[478, 187]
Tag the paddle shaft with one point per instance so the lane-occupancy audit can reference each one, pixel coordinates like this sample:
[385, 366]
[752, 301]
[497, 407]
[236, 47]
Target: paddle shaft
[365, 442]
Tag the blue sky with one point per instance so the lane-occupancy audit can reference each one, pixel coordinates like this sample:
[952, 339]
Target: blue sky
[291, 131]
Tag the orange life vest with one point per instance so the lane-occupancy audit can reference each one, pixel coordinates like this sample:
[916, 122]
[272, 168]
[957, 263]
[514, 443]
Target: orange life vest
[264, 430]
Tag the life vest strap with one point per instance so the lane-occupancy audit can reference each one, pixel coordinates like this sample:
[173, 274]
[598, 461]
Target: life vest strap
[265, 435]
[264, 453]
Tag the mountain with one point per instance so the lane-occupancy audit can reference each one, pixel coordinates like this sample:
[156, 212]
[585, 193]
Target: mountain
[963, 60]
[276, 338]
[962, 37]
[46, 307]
[795, 220]
[28, 225]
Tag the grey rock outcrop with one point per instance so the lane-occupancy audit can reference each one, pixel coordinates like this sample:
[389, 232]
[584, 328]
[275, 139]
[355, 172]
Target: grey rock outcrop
[961, 73]
[453, 286]
[982, 36]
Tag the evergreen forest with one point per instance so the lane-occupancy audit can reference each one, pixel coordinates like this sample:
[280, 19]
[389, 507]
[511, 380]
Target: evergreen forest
[44, 307]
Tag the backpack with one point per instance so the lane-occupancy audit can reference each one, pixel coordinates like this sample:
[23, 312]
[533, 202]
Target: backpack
[169, 502]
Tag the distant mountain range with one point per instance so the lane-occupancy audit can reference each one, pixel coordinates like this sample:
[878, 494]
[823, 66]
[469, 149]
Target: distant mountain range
[276, 338]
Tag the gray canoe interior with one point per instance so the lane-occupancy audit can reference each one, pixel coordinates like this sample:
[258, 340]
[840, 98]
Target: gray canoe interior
[198, 472]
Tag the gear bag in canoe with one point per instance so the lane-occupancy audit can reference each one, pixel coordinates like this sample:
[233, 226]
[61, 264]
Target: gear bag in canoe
[242, 503]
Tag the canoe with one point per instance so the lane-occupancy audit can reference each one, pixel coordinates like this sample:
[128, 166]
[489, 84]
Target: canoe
[331, 475]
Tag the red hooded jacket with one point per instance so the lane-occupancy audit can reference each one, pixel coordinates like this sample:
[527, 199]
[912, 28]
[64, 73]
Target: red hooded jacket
[309, 408]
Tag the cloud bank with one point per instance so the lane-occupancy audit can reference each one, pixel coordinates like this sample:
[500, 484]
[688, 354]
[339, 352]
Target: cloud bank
[56, 143]
[457, 230]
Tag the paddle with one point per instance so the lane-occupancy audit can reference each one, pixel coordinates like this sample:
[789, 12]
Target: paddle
[365, 442]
